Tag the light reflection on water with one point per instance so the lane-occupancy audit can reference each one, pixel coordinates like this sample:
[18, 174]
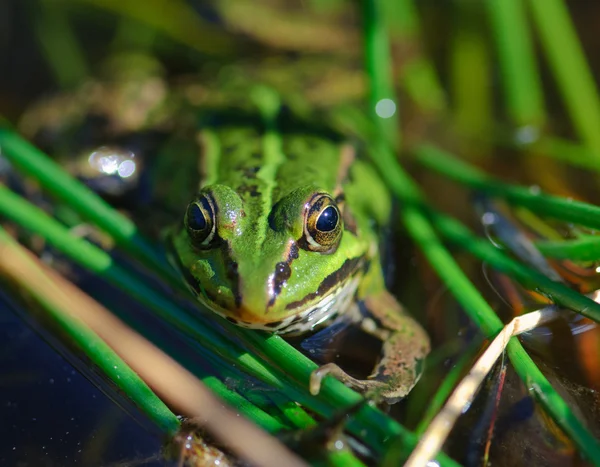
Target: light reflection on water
[110, 160]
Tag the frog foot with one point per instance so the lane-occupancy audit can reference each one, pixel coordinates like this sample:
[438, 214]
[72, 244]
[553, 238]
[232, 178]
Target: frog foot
[376, 391]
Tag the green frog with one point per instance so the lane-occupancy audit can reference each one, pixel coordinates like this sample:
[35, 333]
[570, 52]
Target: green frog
[283, 236]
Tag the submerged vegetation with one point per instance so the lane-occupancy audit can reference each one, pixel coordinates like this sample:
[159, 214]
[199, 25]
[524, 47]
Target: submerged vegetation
[436, 128]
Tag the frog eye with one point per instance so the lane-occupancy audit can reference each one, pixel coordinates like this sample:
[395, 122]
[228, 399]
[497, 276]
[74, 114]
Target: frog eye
[200, 221]
[323, 225]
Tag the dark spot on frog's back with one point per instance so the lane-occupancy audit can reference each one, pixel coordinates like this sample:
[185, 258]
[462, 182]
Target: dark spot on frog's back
[251, 190]
[250, 172]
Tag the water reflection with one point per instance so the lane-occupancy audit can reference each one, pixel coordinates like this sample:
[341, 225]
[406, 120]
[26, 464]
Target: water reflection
[109, 169]
[110, 160]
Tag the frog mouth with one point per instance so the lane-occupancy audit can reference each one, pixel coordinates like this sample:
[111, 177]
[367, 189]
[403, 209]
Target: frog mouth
[334, 303]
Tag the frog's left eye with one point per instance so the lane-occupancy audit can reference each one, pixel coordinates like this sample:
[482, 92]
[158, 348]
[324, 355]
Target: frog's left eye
[323, 225]
[200, 221]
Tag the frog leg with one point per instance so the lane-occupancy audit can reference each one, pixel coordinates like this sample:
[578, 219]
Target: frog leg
[405, 346]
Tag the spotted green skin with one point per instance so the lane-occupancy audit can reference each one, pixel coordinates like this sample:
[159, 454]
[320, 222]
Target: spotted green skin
[261, 274]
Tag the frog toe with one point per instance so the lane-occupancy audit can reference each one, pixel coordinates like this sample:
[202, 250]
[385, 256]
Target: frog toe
[377, 391]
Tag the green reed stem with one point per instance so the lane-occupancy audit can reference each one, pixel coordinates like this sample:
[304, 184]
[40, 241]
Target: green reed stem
[344, 458]
[567, 151]
[470, 78]
[378, 64]
[547, 205]
[287, 412]
[483, 249]
[521, 81]
[99, 352]
[566, 57]
[299, 368]
[241, 404]
[582, 249]
[421, 82]
[292, 411]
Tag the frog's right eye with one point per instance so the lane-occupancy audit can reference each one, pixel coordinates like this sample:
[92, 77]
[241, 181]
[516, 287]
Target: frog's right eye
[200, 221]
[323, 224]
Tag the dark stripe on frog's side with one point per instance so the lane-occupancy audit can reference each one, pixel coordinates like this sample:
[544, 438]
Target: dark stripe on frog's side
[349, 268]
[283, 272]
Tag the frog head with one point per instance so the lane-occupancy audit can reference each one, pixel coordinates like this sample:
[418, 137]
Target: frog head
[282, 267]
